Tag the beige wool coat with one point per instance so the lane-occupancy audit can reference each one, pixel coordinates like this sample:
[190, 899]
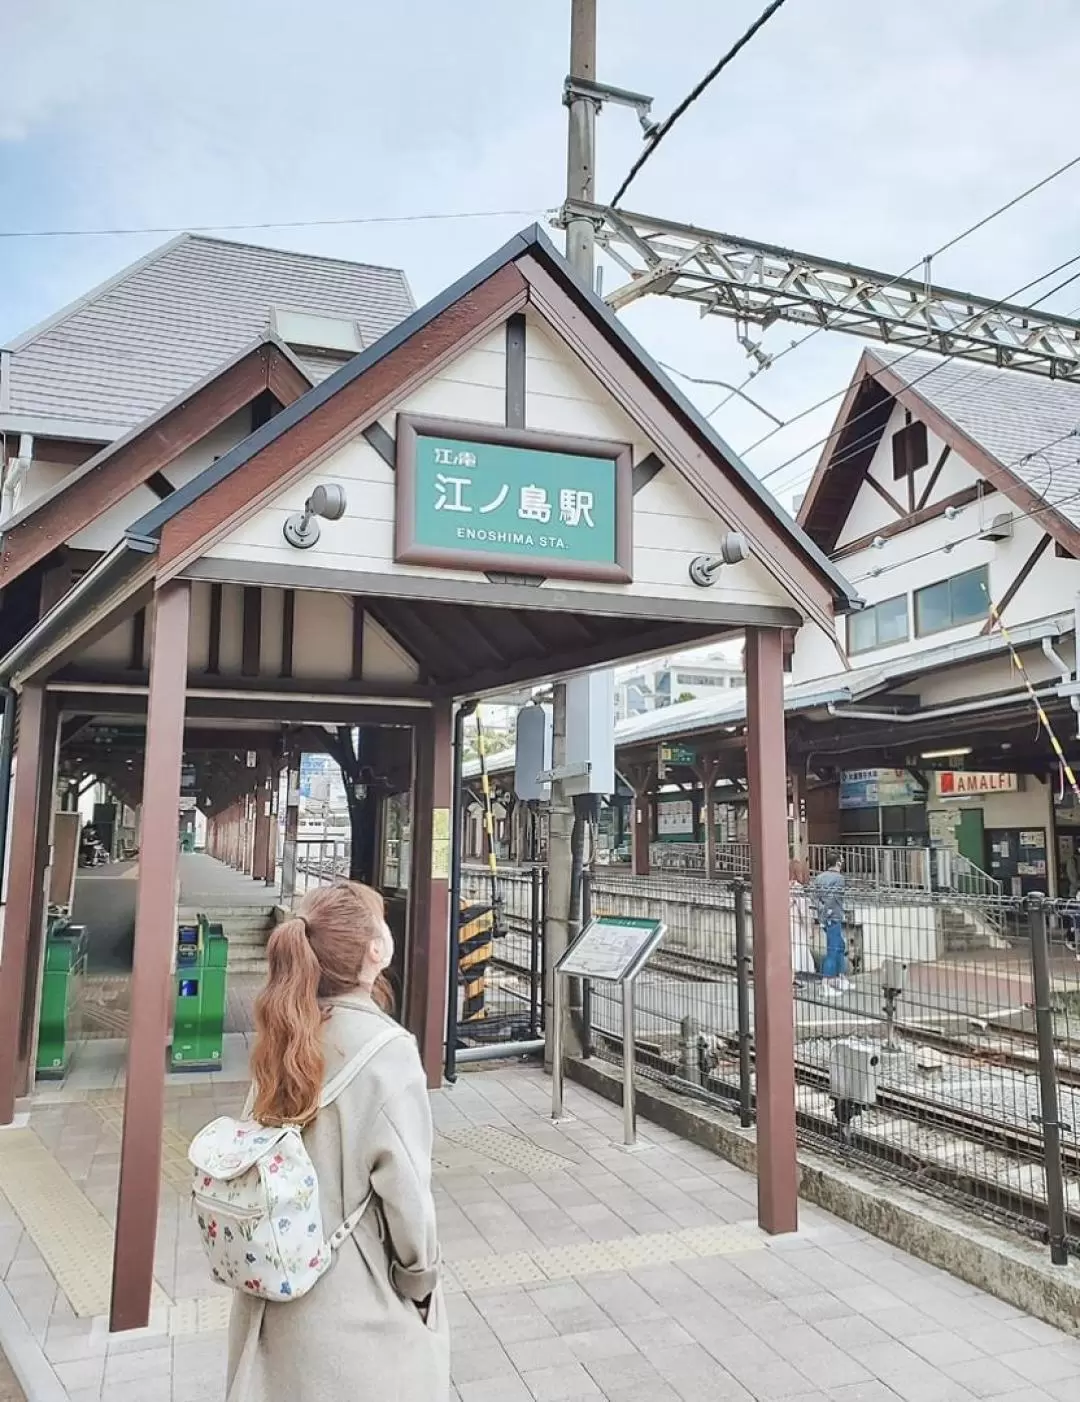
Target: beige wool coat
[357, 1336]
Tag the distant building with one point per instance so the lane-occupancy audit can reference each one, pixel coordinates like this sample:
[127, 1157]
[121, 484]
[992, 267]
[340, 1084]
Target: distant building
[666, 681]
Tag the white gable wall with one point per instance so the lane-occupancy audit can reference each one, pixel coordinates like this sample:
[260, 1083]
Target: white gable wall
[935, 551]
[671, 523]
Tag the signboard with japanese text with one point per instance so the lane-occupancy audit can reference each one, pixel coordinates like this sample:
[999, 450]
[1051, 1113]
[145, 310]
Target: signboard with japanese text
[484, 497]
[879, 788]
[963, 783]
[674, 817]
[677, 754]
[612, 948]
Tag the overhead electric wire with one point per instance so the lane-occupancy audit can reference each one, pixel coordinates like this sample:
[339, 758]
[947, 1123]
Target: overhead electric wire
[1033, 514]
[275, 224]
[694, 93]
[944, 360]
[921, 263]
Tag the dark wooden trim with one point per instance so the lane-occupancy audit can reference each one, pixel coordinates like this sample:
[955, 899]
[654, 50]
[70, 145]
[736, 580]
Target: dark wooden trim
[973, 453]
[288, 624]
[357, 670]
[964, 497]
[645, 470]
[408, 551]
[137, 660]
[935, 473]
[693, 455]
[64, 452]
[515, 370]
[876, 486]
[382, 442]
[117, 470]
[1018, 582]
[599, 604]
[284, 378]
[160, 485]
[251, 636]
[213, 647]
[267, 473]
[139, 1190]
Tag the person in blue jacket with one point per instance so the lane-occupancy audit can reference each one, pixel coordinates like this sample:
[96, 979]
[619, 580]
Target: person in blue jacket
[829, 896]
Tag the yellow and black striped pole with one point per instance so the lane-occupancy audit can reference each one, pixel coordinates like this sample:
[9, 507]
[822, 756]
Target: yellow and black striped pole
[1044, 719]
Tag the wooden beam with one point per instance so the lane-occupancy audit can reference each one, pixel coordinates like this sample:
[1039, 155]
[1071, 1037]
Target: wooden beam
[288, 624]
[964, 497]
[888, 497]
[774, 1027]
[515, 371]
[213, 646]
[155, 922]
[251, 632]
[117, 470]
[356, 672]
[935, 473]
[1017, 583]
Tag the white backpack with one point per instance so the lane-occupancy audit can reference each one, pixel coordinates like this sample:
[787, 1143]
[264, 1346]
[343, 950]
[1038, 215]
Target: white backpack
[256, 1198]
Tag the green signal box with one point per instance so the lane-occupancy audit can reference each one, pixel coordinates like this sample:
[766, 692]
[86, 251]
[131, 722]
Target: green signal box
[202, 958]
[58, 1023]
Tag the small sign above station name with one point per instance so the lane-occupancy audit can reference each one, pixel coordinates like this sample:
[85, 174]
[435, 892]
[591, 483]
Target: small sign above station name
[960, 783]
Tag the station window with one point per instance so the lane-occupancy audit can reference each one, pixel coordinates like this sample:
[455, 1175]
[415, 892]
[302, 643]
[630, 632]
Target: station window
[961, 599]
[879, 625]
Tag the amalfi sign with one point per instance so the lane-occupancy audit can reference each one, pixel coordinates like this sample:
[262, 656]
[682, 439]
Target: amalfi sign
[485, 497]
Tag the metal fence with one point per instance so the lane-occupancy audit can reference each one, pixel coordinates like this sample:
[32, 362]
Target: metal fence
[947, 1053]
[320, 861]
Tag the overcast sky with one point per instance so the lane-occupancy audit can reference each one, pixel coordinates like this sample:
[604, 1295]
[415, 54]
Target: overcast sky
[867, 132]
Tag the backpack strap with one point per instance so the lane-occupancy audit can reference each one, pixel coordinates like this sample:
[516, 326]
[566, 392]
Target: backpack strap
[349, 1072]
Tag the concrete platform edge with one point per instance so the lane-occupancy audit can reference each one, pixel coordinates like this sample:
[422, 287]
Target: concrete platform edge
[974, 1251]
[26, 1356]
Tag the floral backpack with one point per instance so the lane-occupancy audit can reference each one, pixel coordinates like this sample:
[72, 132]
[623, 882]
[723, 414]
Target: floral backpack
[256, 1198]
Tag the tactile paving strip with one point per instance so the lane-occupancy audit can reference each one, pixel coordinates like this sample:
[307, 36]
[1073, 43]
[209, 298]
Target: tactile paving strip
[175, 1167]
[599, 1257]
[509, 1150]
[74, 1240]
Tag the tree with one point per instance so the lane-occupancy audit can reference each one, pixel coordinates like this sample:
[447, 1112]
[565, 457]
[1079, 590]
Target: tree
[347, 746]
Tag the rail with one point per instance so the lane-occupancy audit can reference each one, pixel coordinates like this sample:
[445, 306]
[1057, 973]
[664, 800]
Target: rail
[928, 1061]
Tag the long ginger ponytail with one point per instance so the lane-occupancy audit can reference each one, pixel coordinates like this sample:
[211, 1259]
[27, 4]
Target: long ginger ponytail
[287, 1064]
[317, 953]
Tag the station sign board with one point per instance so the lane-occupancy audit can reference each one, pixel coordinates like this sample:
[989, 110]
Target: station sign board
[965, 783]
[677, 754]
[484, 497]
[879, 788]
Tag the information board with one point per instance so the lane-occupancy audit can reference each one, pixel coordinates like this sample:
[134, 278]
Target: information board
[611, 948]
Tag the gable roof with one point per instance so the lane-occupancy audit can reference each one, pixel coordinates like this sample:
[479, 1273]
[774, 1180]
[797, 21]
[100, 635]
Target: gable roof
[122, 352]
[1019, 431]
[533, 244]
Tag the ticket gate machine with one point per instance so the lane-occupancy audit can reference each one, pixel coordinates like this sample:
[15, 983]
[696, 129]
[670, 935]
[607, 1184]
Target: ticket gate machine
[58, 1022]
[202, 958]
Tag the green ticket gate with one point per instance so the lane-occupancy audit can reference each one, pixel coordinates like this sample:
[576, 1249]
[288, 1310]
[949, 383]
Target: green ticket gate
[202, 957]
[58, 1022]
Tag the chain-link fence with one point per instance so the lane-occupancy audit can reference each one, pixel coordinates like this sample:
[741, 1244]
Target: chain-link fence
[937, 1034]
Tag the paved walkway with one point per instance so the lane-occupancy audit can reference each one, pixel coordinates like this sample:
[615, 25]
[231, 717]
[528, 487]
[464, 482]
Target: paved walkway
[576, 1269]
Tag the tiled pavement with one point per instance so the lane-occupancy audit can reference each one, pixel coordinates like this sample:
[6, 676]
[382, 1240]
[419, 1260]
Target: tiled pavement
[10, 1391]
[577, 1269]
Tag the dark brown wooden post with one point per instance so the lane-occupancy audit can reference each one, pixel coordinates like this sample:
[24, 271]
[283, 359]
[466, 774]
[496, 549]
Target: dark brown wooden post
[25, 879]
[774, 1020]
[292, 824]
[707, 770]
[261, 846]
[642, 780]
[273, 789]
[428, 953]
[155, 930]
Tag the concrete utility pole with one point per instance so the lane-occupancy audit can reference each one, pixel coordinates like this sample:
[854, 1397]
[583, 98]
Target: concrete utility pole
[580, 252]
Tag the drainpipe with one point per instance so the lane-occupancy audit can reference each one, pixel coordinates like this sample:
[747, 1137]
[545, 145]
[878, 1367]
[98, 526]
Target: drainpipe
[1064, 670]
[14, 477]
[7, 748]
[938, 713]
[450, 1064]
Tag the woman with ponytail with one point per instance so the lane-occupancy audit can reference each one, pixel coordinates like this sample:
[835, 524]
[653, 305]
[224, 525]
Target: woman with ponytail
[373, 1327]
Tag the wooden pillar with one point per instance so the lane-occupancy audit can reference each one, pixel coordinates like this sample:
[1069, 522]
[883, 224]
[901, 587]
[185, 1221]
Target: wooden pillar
[292, 824]
[774, 1018]
[707, 770]
[261, 847]
[155, 927]
[30, 811]
[272, 827]
[428, 952]
[642, 779]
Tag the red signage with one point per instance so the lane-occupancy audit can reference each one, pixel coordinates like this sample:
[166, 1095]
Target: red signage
[959, 783]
